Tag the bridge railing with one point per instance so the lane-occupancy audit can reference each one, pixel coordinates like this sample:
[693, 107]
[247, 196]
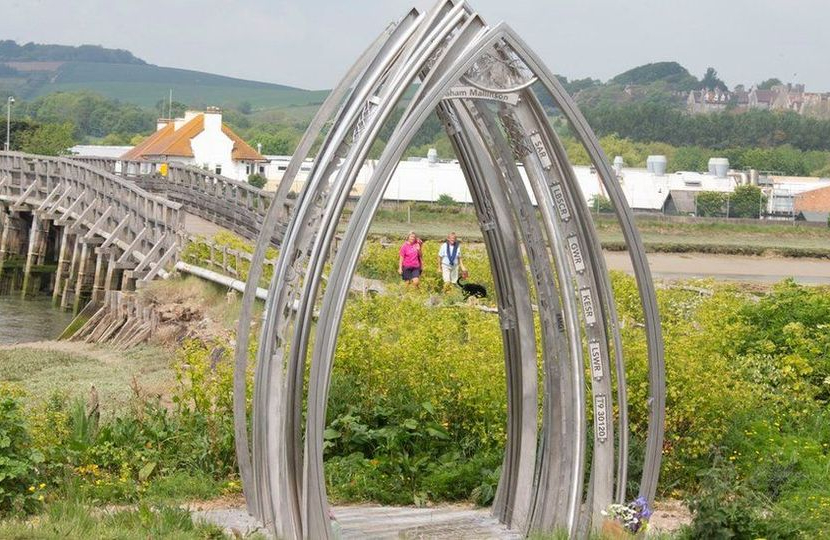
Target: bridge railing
[229, 203]
[224, 259]
[92, 202]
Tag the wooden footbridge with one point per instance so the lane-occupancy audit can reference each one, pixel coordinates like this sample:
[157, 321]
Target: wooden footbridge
[91, 231]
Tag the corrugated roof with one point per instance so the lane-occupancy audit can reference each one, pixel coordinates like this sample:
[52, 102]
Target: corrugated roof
[814, 217]
[684, 200]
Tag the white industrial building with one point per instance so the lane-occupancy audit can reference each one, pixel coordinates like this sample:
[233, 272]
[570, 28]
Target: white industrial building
[646, 190]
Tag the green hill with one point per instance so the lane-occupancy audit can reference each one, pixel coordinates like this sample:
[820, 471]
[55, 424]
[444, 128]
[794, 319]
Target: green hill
[33, 70]
[145, 85]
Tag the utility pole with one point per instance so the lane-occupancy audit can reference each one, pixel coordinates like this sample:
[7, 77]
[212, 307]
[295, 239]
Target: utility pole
[8, 122]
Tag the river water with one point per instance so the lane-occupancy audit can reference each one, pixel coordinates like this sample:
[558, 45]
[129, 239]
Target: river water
[33, 319]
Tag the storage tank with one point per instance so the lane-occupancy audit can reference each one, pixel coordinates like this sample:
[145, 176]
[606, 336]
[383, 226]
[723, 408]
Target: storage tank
[657, 165]
[619, 163]
[718, 167]
[432, 155]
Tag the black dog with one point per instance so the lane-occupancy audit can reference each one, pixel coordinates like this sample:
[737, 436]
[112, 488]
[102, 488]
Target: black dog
[472, 289]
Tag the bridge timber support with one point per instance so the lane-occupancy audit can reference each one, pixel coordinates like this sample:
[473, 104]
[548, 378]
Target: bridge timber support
[87, 237]
[91, 232]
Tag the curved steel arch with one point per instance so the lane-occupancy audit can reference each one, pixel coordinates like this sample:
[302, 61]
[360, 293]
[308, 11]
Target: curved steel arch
[543, 480]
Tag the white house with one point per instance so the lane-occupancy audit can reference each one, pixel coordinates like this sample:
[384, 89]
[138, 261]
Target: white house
[202, 140]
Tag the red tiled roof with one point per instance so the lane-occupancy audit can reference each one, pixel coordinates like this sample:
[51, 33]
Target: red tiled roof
[169, 141]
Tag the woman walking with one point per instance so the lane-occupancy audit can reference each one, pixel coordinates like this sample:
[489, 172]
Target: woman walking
[410, 260]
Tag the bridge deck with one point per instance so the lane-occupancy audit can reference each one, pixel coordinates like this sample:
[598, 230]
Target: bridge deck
[387, 522]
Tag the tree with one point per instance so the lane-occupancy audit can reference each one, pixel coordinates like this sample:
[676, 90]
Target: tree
[710, 203]
[116, 139]
[769, 83]
[49, 140]
[257, 180]
[747, 202]
[445, 199]
[710, 81]
[601, 204]
[19, 130]
[164, 109]
[244, 107]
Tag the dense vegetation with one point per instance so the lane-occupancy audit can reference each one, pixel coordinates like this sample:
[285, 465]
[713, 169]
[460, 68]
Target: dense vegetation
[10, 51]
[765, 129]
[417, 410]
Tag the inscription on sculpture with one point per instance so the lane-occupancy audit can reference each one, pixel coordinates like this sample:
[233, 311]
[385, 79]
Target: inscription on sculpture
[576, 253]
[471, 92]
[541, 151]
[588, 306]
[601, 417]
[595, 353]
[560, 202]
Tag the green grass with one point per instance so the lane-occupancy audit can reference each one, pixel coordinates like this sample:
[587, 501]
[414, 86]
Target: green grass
[42, 372]
[74, 520]
[786, 239]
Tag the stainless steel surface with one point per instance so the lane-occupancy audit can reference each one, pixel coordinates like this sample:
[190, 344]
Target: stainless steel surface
[543, 484]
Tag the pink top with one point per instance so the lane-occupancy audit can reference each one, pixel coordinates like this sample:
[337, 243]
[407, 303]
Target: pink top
[411, 254]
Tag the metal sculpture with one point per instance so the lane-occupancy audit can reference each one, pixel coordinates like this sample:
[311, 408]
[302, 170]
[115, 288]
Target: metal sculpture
[482, 81]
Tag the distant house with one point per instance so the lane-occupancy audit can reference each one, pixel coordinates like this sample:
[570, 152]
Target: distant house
[202, 140]
[707, 101]
[761, 99]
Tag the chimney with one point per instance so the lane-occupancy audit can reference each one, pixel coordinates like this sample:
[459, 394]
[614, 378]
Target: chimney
[213, 119]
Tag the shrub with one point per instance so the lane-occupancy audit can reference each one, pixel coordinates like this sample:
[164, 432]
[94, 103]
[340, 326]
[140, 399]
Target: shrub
[257, 180]
[20, 490]
[725, 507]
[445, 199]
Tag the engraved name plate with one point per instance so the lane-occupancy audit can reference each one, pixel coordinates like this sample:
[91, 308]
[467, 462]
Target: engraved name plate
[560, 202]
[541, 151]
[588, 306]
[601, 417]
[576, 253]
[595, 354]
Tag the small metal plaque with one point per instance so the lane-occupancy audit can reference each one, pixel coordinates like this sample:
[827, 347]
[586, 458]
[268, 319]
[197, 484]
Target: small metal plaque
[595, 353]
[576, 253]
[601, 417]
[561, 202]
[588, 306]
[541, 151]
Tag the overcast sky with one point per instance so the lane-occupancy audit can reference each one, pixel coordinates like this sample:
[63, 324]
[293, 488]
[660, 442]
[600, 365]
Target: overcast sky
[310, 43]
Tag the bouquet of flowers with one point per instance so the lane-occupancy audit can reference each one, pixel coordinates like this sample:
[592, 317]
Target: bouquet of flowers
[633, 516]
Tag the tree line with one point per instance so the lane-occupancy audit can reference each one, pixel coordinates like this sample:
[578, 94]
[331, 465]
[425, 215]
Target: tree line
[10, 51]
[658, 122]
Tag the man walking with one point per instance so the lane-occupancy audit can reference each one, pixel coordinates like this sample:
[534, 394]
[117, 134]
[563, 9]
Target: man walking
[449, 259]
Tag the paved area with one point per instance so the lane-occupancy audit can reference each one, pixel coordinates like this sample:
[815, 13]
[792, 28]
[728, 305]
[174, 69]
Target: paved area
[728, 267]
[385, 522]
[200, 227]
